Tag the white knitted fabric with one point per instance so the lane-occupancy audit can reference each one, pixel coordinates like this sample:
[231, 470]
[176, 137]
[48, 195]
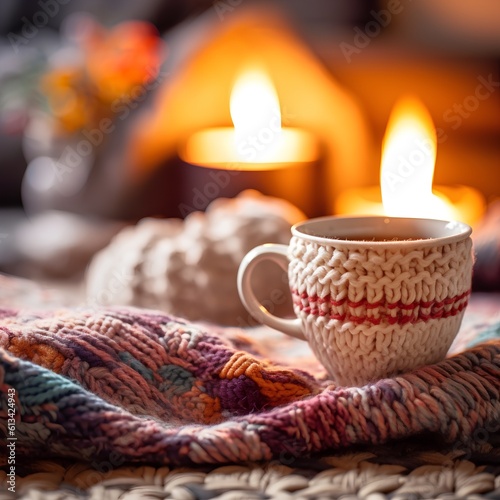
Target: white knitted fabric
[188, 268]
[370, 312]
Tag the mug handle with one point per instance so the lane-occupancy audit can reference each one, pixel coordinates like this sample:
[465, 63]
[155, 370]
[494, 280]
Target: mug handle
[278, 254]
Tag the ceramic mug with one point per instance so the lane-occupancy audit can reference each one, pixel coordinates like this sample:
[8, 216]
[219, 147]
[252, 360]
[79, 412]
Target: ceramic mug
[373, 296]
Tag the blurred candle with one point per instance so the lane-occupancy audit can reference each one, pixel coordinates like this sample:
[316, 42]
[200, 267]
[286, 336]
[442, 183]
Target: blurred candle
[257, 141]
[275, 160]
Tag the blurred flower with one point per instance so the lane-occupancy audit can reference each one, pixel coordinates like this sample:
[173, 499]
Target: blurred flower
[115, 65]
[67, 97]
[123, 58]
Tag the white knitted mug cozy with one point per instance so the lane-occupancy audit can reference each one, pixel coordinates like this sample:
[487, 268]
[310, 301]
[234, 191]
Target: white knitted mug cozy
[376, 306]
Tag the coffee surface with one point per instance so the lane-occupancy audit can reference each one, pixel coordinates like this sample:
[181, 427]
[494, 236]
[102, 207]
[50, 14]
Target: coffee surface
[368, 237]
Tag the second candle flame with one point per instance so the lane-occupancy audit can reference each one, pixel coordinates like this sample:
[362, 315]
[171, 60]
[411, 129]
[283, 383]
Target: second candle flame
[408, 160]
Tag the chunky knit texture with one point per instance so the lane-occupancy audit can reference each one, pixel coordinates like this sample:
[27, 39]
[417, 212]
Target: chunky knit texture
[118, 385]
[370, 312]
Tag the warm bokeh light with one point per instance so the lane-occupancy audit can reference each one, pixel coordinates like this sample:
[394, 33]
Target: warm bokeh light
[196, 100]
[408, 160]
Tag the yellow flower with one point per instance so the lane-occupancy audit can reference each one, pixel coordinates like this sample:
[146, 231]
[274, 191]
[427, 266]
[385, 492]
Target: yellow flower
[67, 98]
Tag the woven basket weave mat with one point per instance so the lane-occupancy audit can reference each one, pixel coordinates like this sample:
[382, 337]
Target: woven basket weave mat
[377, 474]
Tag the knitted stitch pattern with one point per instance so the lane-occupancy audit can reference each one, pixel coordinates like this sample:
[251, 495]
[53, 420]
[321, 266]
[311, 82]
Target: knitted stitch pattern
[144, 386]
[379, 311]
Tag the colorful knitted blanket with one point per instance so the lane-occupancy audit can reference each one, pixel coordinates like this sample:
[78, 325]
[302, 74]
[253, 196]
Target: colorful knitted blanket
[127, 385]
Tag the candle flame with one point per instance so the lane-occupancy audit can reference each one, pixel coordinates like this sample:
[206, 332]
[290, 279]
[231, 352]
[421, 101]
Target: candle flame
[256, 116]
[408, 160]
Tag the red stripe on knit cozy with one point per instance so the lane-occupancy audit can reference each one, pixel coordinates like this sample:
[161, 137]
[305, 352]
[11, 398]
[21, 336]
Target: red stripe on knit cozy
[437, 311]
